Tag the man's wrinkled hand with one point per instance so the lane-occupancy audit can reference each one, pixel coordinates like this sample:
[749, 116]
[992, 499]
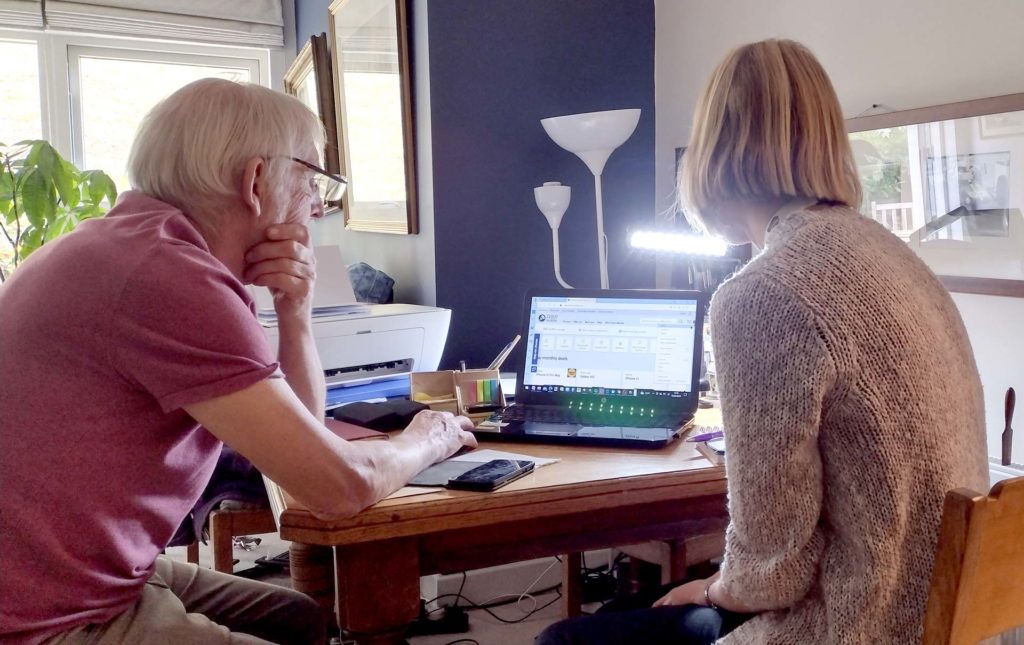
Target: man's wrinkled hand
[447, 431]
[285, 264]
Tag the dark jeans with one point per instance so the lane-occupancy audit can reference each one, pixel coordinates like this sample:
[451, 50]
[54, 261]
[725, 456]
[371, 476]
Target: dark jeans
[632, 620]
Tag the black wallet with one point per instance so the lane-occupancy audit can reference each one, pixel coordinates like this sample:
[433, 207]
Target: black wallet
[368, 415]
[405, 409]
[389, 415]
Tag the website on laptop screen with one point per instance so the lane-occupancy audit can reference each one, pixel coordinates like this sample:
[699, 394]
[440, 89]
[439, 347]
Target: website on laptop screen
[613, 346]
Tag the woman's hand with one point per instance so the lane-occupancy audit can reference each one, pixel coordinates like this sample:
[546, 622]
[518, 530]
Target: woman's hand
[691, 593]
[285, 264]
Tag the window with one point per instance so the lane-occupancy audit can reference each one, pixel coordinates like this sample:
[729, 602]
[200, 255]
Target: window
[106, 126]
[87, 94]
[21, 117]
[111, 83]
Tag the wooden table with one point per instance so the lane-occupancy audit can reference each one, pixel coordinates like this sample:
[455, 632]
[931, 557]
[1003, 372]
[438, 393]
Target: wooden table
[592, 498]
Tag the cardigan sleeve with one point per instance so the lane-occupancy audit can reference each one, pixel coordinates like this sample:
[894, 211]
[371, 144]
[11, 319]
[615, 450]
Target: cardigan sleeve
[774, 372]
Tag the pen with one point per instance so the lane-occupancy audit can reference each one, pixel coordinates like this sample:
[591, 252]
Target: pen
[706, 436]
[503, 354]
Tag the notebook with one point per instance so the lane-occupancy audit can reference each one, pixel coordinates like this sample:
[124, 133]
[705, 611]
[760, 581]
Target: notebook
[606, 368]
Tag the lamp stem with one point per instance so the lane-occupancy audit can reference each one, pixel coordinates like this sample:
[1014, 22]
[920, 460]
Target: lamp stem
[602, 246]
[558, 271]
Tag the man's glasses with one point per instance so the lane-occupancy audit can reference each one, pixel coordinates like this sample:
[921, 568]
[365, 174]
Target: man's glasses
[332, 187]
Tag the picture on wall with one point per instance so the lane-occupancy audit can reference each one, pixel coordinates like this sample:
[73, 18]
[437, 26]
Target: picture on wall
[972, 186]
[948, 180]
[1006, 124]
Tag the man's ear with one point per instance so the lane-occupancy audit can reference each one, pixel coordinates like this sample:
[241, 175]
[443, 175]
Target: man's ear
[252, 184]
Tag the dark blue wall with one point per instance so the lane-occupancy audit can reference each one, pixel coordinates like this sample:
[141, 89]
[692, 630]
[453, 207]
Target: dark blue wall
[496, 69]
[310, 20]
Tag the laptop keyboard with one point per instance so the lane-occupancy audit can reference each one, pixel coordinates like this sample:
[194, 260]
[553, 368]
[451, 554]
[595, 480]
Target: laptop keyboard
[588, 418]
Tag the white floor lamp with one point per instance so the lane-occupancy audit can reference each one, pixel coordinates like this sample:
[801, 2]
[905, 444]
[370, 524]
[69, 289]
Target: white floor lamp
[552, 200]
[591, 136]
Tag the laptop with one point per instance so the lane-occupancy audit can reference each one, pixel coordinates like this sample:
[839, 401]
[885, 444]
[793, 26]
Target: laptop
[605, 368]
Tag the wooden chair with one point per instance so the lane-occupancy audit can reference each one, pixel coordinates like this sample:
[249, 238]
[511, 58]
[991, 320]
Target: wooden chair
[977, 588]
[225, 525]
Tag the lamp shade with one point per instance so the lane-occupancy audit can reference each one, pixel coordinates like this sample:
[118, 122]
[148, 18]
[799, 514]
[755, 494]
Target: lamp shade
[592, 136]
[552, 200]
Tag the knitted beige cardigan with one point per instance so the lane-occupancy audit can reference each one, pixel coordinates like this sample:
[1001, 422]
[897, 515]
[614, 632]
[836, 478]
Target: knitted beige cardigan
[851, 403]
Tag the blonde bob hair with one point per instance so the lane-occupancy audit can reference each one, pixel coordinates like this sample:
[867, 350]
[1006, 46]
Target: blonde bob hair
[191, 149]
[768, 125]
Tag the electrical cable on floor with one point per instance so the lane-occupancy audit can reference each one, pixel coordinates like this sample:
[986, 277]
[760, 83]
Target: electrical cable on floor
[490, 603]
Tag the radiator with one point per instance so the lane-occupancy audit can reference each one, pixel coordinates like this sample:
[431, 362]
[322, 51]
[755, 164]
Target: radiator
[998, 472]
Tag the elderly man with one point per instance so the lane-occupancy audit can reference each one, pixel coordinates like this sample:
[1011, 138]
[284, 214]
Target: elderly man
[130, 351]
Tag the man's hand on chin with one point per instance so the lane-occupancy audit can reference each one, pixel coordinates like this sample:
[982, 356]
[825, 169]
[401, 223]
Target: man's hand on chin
[284, 263]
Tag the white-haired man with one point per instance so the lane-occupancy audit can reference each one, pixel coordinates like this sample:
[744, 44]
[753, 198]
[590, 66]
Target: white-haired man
[131, 352]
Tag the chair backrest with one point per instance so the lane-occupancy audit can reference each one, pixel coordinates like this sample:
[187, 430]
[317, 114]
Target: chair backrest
[977, 586]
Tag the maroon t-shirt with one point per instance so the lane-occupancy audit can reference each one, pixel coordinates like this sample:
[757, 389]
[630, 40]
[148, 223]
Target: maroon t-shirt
[104, 335]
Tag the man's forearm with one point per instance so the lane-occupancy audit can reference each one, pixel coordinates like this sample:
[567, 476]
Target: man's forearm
[301, 364]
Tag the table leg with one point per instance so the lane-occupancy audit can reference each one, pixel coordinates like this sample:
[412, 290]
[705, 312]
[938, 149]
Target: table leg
[378, 590]
[572, 591]
[312, 572]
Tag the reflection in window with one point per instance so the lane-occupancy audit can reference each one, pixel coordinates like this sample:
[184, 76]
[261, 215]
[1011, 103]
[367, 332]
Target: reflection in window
[952, 189]
[917, 178]
[883, 160]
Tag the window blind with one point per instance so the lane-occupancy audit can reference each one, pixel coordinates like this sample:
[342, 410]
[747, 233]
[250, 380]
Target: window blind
[21, 13]
[240, 22]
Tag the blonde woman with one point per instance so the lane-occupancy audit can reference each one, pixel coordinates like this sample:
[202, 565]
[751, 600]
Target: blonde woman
[850, 395]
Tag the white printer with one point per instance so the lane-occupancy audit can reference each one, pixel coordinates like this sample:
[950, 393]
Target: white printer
[376, 341]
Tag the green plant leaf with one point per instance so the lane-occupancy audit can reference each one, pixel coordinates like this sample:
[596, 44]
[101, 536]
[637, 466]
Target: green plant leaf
[44, 157]
[30, 241]
[60, 226]
[6, 185]
[45, 195]
[100, 186]
[65, 178]
[38, 198]
[6, 194]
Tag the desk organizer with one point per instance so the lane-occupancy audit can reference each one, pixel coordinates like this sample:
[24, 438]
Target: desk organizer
[472, 393]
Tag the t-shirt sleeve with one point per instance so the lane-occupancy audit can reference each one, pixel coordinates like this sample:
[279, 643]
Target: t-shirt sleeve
[774, 372]
[185, 330]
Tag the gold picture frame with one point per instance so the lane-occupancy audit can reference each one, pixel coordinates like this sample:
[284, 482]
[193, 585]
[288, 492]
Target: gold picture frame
[369, 42]
[310, 80]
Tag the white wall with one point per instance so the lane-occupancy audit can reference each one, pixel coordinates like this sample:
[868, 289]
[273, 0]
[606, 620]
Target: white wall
[906, 54]
[409, 259]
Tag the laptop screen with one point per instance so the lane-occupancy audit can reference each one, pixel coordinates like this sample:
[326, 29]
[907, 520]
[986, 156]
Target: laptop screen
[625, 346]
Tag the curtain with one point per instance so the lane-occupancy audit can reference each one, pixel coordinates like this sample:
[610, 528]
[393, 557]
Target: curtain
[21, 13]
[240, 22]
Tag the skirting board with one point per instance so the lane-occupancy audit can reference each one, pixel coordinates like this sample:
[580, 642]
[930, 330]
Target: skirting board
[502, 582]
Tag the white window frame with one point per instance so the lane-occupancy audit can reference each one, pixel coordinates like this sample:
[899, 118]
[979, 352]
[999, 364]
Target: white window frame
[59, 55]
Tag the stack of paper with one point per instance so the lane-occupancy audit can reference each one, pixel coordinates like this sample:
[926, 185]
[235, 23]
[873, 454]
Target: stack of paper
[332, 291]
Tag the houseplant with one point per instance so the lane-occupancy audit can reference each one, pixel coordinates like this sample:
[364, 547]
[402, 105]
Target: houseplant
[43, 196]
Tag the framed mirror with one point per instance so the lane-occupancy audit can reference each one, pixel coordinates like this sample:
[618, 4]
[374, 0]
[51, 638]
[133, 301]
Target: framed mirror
[949, 180]
[373, 95]
[309, 79]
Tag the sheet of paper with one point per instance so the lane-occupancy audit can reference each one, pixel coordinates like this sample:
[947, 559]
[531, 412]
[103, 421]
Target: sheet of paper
[409, 491]
[488, 455]
[331, 291]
